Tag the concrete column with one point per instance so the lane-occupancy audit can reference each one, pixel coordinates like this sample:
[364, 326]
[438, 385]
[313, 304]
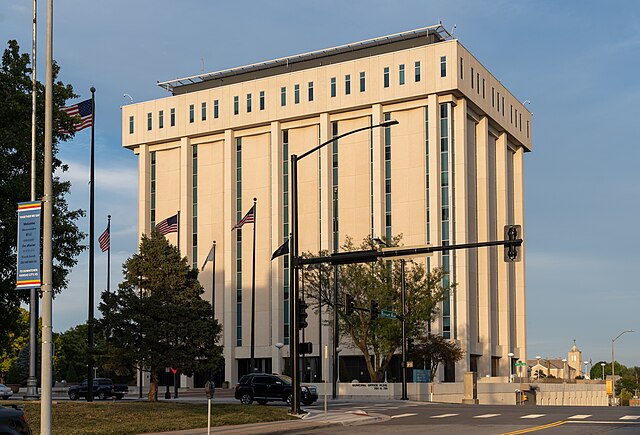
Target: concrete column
[377, 116]
[462, 298]
[470, 388]
[278, 237]
[483, 225]
[229, 256]
[144, 190]
[186, 210]
[518, 194]
[502, 215]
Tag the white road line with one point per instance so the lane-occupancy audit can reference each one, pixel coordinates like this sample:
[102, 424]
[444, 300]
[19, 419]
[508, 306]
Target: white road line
[403, 415]
[630, 417]
[580, 416]
[444, 415]
[486, 415]
[533, 416]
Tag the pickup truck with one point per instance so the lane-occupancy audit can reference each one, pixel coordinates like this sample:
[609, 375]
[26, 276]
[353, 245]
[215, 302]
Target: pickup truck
[102, 389]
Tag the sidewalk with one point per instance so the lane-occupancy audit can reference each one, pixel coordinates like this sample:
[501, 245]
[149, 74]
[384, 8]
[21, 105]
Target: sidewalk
[311, 421]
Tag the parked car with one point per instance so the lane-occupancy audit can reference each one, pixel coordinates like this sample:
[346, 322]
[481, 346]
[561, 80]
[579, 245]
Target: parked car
[13, 421]
[5, 392]
[263, 387]
[103, 388]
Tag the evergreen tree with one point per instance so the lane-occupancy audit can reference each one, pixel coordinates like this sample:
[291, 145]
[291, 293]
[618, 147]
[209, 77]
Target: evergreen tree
[15, 181]
[157, 317]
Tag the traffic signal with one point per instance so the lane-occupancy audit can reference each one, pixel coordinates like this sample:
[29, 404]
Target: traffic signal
[302, 314]
[349, 304]
[512, 233]
[410, 345]
[375, 310]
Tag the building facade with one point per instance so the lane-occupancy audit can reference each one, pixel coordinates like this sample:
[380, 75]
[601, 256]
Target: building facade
[450, 172]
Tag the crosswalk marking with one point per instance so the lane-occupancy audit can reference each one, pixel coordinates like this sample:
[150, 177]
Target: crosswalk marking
[444, 415]
[630, 417]
[580, 416]
[404, 415]
[486, 415]
[533, 416]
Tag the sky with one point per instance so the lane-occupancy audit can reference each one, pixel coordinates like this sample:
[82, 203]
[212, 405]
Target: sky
[576, 61]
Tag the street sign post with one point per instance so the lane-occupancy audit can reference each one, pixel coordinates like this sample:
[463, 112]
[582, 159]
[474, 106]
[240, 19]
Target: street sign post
[388, 314]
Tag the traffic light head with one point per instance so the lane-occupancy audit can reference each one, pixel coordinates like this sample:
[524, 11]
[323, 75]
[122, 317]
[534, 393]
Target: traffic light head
[349, 304]
[410, 345]
[512, 251]
[375, 310]
[302, 314]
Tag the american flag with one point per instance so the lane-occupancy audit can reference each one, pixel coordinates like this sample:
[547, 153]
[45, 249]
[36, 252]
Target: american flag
[248, 218]
[84, 110]
[105, 239]
[169, 225]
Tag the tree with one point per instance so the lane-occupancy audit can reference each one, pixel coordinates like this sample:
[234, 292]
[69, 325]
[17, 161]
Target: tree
[157, 317]
[379, 282]
[16, 339]
[434, 350]
[15, 181]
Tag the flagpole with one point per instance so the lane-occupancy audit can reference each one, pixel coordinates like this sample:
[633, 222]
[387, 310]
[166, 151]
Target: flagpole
[213, 283]
[253, 292]
[109, 255]
[91, 253]
[178, 231]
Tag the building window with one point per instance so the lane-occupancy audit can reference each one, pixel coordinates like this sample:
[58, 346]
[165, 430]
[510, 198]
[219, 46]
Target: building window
[194, 198]
[498, 101]
[204, 111]
[310, 91]
[416, 70]
[161, 119]
[333, 87]
[216, 109]
[483, 89]
[493, 97]
[461, 69]
[152, 190]
[236, 105]
[387, 179]
[149, 120]
[511, 113]
[285, 223]
[347, 84]
[248, 103]
[527, 129]
[516, 118]
[520, 115]
[238, 242]
[363, 82]
[401, 74]
[192, 114]
[386, 77]
[261, 100]
[296, 94]
[471, 77]
[445, 216]
[173, 117]
[478, 82]
[131, 125]
[502, 106]
[443, 66]
[283, 96]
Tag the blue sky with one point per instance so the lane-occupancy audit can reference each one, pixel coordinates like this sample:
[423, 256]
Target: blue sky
[576, 61]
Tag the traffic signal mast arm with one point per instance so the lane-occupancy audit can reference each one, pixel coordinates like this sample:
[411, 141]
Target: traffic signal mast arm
[372, 255]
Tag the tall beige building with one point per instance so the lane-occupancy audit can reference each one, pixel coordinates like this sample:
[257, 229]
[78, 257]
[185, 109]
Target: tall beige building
[450, 172]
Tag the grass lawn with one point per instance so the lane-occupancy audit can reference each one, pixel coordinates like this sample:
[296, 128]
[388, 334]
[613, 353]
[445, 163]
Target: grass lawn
[143, 417]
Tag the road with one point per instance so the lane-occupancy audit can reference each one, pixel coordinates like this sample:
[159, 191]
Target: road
[417, 417]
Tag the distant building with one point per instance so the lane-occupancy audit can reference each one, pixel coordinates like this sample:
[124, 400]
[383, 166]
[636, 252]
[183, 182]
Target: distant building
[569, 369]
[450, 172]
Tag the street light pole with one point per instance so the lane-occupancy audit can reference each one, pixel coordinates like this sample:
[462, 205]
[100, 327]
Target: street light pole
[404, 333]
[510, 355]
[613, 361]
[602, 365]
[295, 259]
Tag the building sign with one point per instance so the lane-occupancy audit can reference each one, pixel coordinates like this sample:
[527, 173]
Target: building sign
[375, 387]
[421, 376]
[28, 256]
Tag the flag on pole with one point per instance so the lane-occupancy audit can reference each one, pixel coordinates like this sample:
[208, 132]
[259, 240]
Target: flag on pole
[209, 256]
[249, 218]
[83, 110]
[169, 225]
[105, 239]
[282, 250]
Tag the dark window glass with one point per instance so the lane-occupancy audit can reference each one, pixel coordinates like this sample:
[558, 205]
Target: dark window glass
[386, 77]
[204, 111]
[215, 109]
[296, 94]
[261, 100]
[401, 74]
[192, 114]
[149, 120]
[417, 72]
[443, 66]
[236, 105]
[310, 91]
[173, 117]
[131, 125]
[333, 87]
[347, 84]
[283, 96]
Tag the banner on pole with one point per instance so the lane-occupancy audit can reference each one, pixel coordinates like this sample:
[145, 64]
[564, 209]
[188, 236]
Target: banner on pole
[28, 270]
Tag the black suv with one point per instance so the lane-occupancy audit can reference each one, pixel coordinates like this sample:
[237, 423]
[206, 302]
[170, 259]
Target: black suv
[263, 387]
[13, 421]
